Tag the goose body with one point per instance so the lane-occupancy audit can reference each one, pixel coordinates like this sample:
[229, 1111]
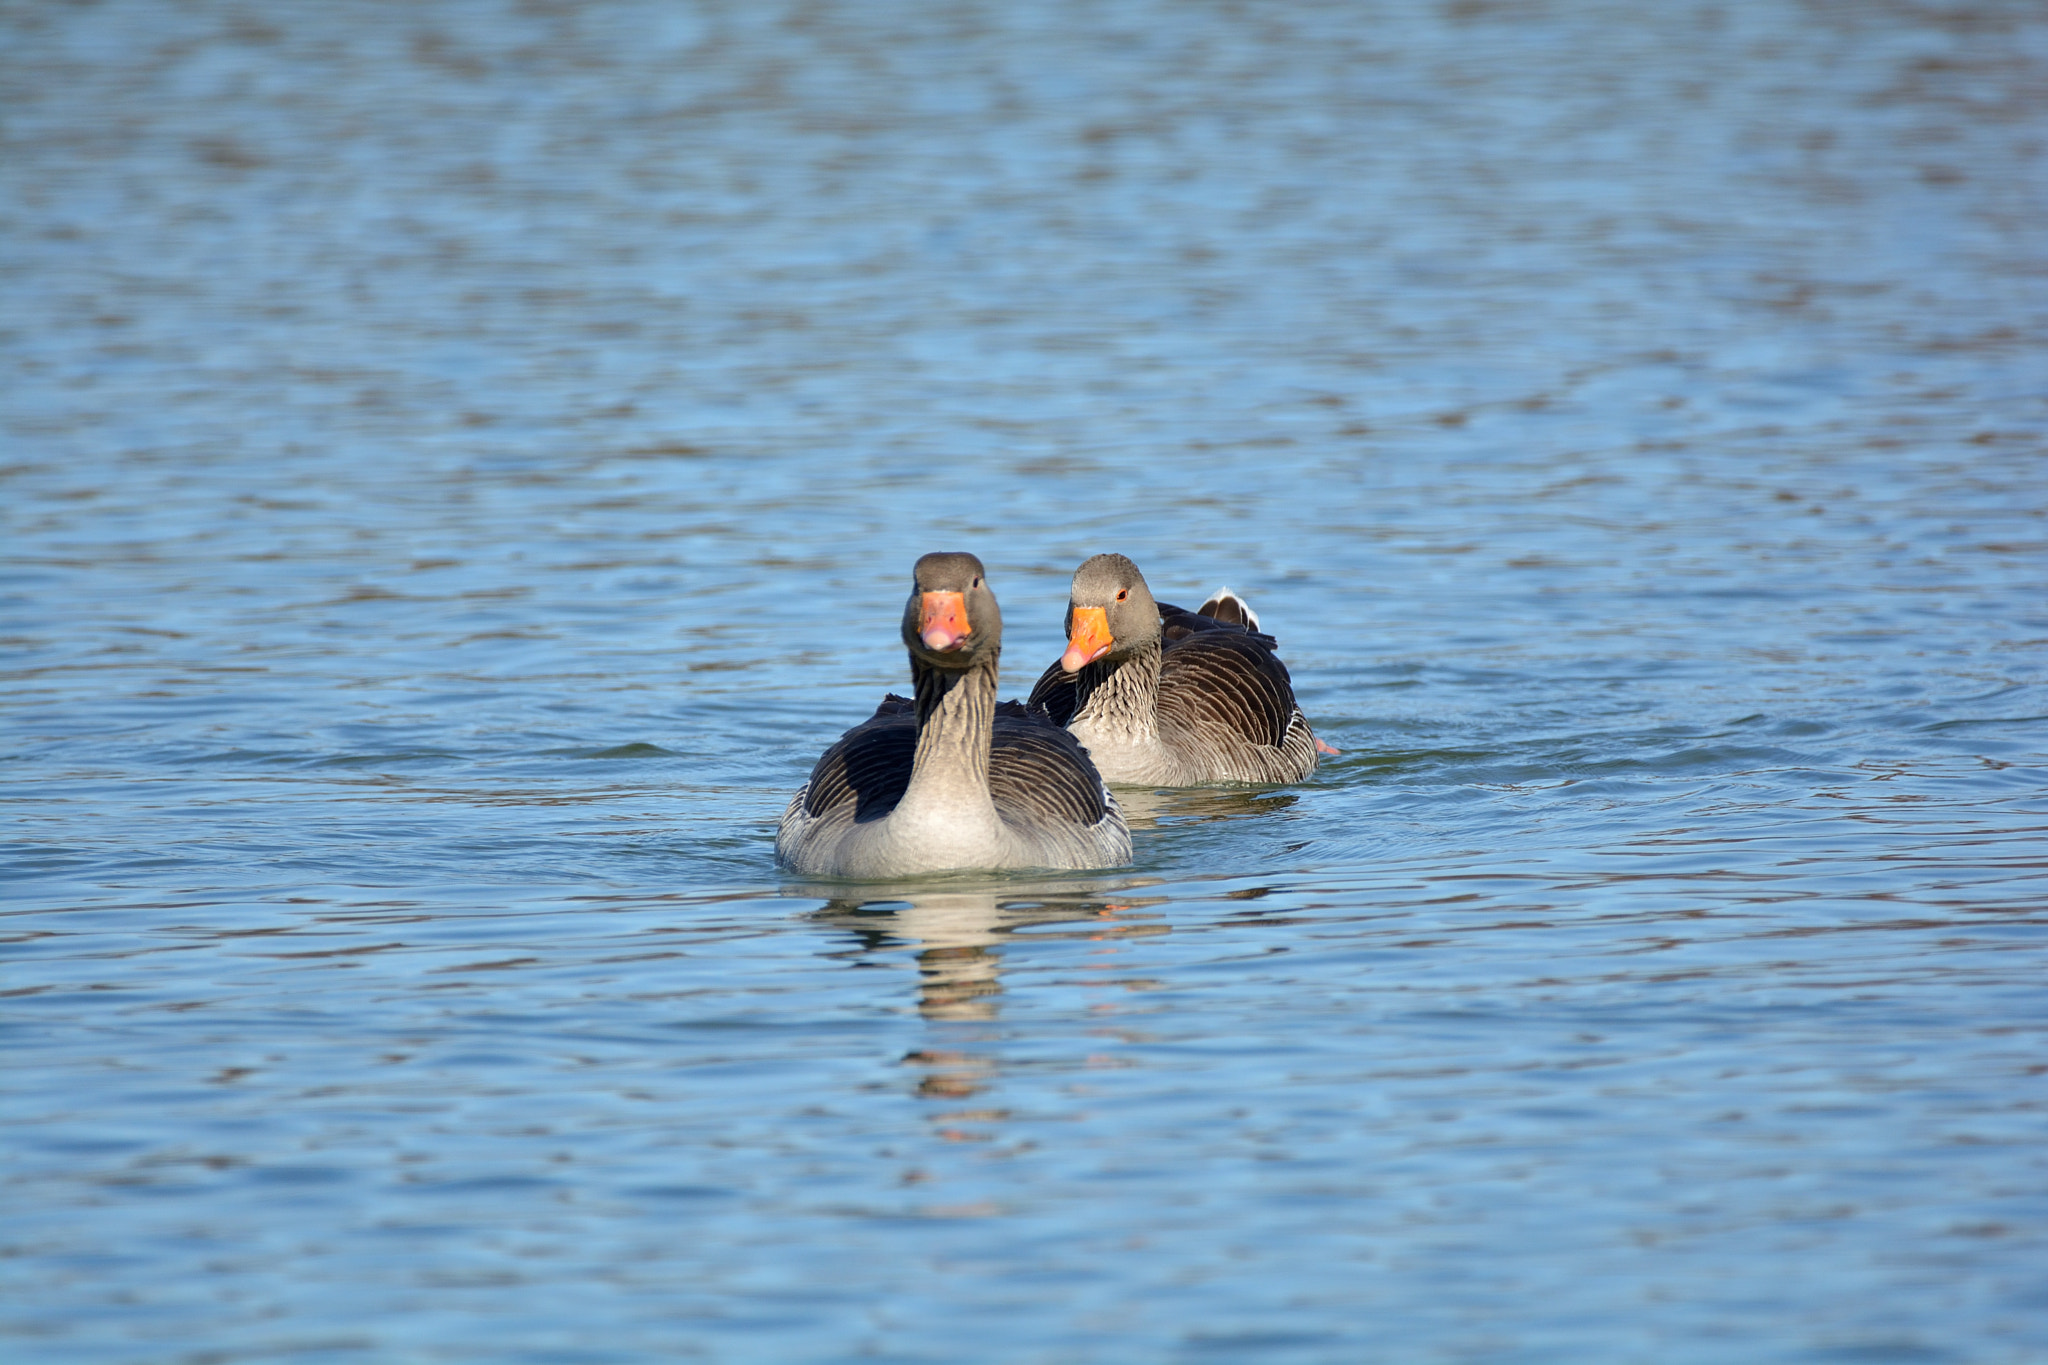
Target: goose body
[1161, 696]
[948, 780]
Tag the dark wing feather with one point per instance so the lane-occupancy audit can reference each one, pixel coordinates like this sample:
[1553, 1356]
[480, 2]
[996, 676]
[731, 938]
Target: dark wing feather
[1229, 677]
[1178, 623]
[1056, 694]
[868, 770]
[1035, 765]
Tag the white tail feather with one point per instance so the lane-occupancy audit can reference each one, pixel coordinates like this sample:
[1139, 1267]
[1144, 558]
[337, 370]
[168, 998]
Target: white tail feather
[1226, 595]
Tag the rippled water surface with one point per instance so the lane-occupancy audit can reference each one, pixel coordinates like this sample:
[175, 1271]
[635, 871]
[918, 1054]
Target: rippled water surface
[463, 462]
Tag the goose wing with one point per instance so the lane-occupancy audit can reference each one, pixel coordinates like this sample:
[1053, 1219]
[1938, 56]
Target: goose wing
[1039, 774]
[1057, 693]
[1228, 679]
[1224, 613]
[864, 775]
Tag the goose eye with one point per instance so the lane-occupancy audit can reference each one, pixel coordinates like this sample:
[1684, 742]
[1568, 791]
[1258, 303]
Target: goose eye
[1122, 594]
[976, 583]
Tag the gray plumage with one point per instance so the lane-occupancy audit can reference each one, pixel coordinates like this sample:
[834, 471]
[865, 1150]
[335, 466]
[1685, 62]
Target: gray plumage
[1179, 698]
[950, 780]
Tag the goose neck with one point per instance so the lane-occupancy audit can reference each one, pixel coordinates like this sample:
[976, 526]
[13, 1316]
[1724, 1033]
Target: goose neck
[1123, 696]
[956, 712]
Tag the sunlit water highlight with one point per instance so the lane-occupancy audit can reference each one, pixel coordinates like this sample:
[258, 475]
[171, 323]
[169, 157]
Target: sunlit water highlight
[463, 462]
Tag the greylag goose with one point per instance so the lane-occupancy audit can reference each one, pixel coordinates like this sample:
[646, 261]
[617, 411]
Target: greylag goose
[1171, 698]
[951, 781]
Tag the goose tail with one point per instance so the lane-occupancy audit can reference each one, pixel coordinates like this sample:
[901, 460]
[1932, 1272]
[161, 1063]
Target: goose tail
[1226, 606]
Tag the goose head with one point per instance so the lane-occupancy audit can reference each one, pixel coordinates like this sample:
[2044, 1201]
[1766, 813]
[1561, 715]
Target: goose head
[951, 620]
[1110, 613]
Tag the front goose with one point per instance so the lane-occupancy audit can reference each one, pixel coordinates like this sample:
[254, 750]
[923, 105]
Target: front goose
[1170, 698]
[952, 781]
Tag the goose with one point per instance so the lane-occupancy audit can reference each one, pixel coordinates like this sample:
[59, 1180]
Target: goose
[1165, 697]
[950, 781]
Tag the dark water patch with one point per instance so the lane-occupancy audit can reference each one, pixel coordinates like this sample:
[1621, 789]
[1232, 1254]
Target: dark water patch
[632, 749]
[379, 760]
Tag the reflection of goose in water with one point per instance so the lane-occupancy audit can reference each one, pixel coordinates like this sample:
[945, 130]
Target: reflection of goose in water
[959, 932]
[960, 929]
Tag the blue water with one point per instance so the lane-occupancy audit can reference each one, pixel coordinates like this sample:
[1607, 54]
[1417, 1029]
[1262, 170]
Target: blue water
[462, 463]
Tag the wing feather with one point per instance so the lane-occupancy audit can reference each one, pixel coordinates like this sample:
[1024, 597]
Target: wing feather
[1228, 679]
[864, 775]
[1035, 766]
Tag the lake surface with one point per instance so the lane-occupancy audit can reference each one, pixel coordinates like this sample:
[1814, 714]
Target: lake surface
[464, 461]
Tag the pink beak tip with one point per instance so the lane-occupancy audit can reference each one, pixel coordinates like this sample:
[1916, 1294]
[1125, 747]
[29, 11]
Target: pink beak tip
[1073, 661]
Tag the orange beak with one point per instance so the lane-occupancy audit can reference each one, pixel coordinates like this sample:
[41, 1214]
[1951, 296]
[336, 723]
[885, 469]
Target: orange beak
[943, 624]
[1088, 638]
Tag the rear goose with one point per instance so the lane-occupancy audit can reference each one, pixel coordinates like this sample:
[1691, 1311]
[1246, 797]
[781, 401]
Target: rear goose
[1170, 698]
[952, 781]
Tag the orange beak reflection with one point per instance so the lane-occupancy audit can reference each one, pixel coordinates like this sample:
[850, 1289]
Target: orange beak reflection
[943, 623]
[1089, 639]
